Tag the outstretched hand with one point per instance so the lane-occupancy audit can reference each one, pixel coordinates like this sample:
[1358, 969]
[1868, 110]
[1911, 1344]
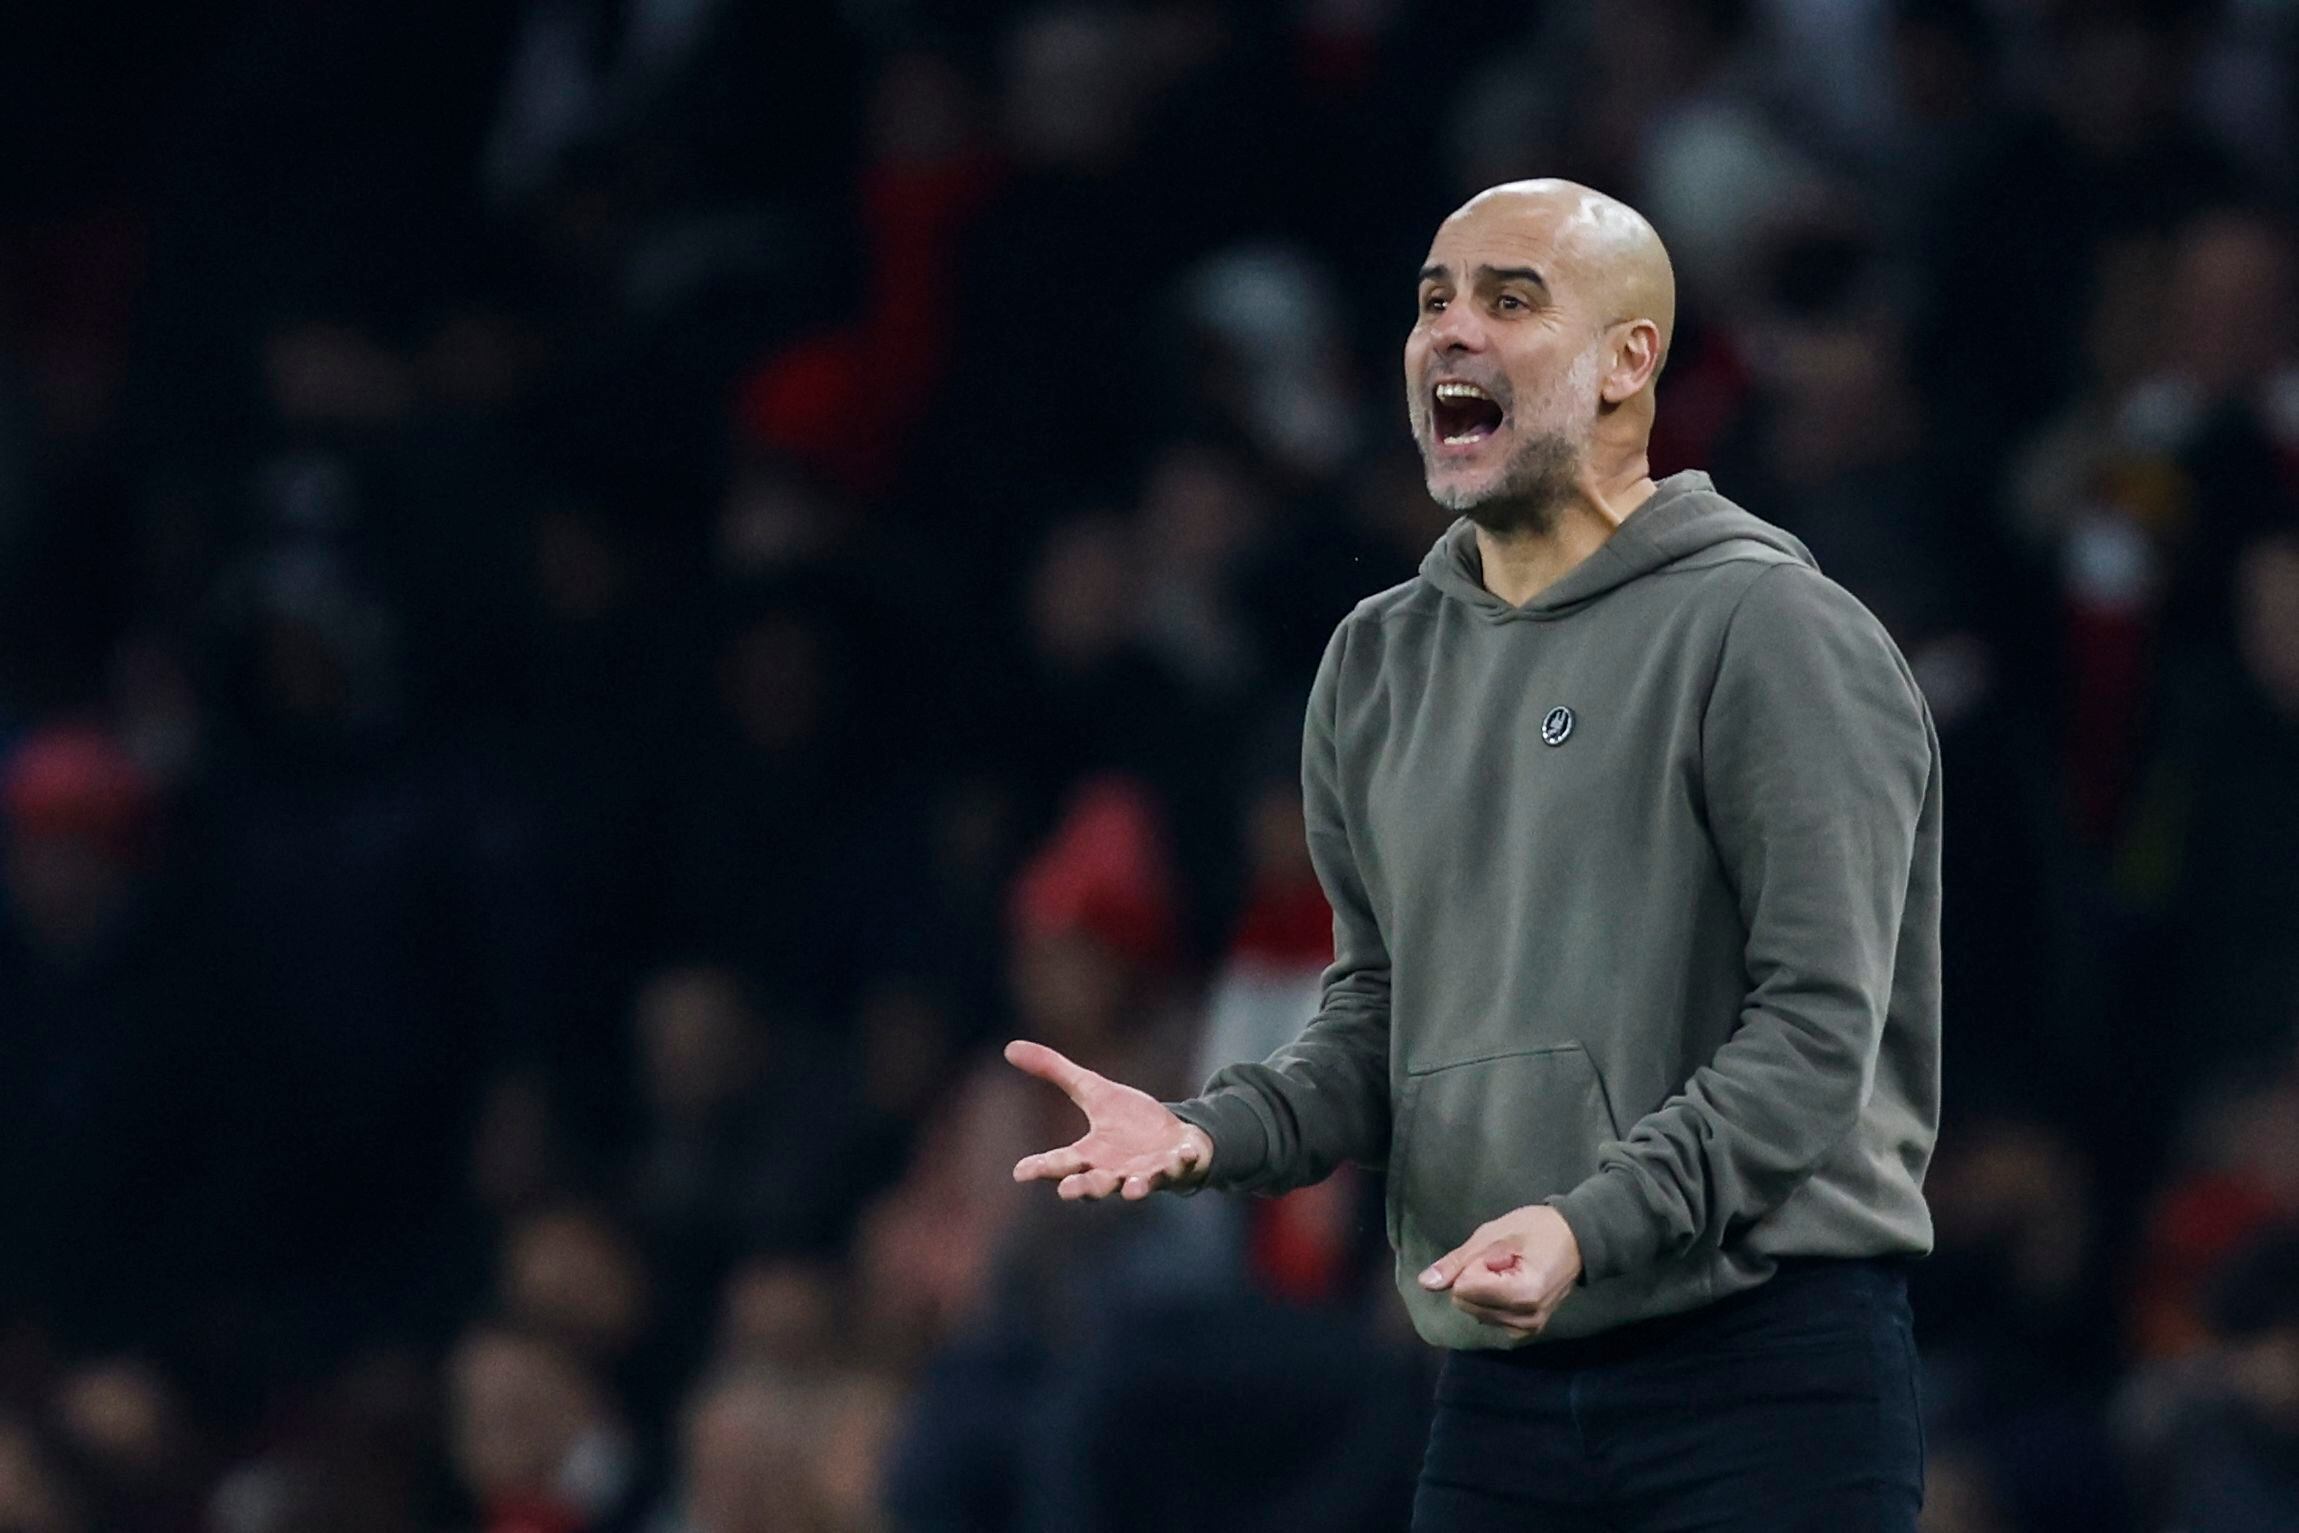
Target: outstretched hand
[1132, 1145]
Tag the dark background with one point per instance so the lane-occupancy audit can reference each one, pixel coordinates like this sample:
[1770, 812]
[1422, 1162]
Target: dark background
[599, 597]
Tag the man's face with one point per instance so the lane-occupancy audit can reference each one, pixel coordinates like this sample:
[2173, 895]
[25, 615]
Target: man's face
[1501, 368]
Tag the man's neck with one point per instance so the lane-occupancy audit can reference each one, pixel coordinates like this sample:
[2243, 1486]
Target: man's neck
[1519, 566]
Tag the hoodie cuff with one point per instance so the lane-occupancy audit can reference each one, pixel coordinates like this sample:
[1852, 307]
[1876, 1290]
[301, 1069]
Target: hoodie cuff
[1240, 1143]
[1611, 1225]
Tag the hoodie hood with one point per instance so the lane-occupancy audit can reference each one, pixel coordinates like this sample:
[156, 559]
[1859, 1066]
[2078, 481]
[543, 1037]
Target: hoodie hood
[1684, 517]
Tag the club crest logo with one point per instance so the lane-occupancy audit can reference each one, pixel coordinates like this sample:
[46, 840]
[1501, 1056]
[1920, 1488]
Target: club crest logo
[1557, 728]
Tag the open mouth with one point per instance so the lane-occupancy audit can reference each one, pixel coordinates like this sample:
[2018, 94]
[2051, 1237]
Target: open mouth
[1462, 413]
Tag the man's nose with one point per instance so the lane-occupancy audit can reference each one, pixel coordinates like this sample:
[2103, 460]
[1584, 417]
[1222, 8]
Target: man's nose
[1457, 329]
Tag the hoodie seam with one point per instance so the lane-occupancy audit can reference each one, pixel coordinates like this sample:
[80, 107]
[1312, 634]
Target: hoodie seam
[1758, 553]
[1378, 612]
[1770, 558]
[1716, 661]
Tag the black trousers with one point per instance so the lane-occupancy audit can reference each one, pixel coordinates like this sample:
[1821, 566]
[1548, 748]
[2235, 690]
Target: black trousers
[1791, 1408]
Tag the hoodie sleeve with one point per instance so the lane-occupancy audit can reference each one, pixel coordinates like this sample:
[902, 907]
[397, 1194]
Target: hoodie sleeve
[1817, 755]
[1323, 1098]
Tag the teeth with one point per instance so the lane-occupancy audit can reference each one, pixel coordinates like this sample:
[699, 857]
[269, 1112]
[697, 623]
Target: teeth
[1463, 440]
[1461, 391]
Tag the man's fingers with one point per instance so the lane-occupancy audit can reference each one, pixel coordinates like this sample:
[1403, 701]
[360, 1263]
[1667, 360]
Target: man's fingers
[1499, 1300]
[1088, 1184]
[1079, 1177]
[1493, 1307]
[1065, 1161]
[1480, 1282]
[1171, 1170]
[1047, 1065]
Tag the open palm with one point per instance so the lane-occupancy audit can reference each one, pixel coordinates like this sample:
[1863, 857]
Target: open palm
[1132, 1145]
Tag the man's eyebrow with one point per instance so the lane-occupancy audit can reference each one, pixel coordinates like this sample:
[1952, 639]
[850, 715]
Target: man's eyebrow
[1437, 271]
[1512, 274]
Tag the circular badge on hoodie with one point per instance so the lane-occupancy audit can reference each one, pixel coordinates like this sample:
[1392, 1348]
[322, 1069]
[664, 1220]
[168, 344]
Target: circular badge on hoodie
[1557, 728]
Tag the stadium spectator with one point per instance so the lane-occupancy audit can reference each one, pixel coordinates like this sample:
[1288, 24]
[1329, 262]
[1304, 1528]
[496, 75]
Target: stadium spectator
[537, 1441]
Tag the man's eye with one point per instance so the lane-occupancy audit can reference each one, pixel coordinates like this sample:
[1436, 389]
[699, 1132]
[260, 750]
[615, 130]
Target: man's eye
[1433, 304]
[1511, 301]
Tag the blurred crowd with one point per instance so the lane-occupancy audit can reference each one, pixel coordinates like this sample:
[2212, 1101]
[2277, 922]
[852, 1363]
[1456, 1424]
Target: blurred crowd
[598, 598]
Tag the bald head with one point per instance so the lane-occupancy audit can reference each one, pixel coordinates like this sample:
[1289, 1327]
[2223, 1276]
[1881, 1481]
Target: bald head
[1546, 310]
[1599, 244]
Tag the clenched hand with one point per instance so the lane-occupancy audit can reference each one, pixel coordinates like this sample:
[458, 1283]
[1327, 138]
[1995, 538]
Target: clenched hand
[1132, 1145]
[1513, 1272]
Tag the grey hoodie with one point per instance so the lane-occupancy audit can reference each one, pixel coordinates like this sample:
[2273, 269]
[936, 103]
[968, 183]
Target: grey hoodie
[1636, 896]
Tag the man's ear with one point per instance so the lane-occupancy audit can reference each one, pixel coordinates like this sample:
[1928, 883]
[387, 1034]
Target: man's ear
[1635, 359]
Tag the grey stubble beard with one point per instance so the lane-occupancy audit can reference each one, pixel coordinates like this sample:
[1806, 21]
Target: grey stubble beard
[1537, 481]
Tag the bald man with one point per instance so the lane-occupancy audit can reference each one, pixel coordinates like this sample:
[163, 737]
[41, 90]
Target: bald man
[1630, 822]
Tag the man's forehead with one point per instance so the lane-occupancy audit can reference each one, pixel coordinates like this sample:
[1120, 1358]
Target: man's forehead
[1502, 244]
[1511, 245]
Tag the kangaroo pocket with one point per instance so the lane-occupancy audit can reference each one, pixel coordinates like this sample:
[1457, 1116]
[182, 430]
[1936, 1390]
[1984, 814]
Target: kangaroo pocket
[1475, 1138]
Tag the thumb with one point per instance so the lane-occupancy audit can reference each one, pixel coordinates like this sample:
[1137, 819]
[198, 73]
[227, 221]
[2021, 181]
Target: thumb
[1053, 1067]
[1446, 1268]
